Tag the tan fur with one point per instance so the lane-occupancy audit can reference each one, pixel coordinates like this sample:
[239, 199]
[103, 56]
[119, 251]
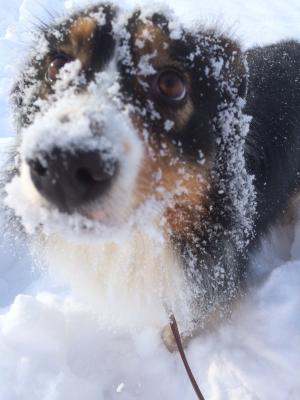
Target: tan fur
[184, 208]
[184, 114]
[80, 39]
[154, 40]
[191, 205]
[292, 210]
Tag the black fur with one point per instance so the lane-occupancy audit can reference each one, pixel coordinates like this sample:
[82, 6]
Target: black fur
[273, 143]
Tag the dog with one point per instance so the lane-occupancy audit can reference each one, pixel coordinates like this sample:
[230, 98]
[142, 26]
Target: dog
[151, 159]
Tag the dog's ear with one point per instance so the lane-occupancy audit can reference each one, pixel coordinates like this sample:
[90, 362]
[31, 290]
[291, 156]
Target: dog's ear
[234, 68]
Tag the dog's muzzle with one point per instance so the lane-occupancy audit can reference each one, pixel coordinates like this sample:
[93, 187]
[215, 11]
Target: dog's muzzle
[82, 151]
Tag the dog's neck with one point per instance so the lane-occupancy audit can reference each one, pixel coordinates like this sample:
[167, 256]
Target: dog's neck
[127, 285]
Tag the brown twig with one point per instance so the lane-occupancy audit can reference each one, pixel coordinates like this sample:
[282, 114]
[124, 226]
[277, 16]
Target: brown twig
[174, 328]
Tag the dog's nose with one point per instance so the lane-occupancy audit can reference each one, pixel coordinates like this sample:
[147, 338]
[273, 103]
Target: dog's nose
[70, 179]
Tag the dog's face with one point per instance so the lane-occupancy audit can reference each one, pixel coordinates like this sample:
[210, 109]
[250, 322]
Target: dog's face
[128, 121]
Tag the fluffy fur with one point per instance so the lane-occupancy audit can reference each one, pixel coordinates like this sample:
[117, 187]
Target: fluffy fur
[193, 182]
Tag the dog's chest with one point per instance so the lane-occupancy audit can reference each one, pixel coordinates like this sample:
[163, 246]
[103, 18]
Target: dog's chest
[128, 284]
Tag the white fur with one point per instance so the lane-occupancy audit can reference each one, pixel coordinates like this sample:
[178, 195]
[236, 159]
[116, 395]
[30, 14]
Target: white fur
[129, 284]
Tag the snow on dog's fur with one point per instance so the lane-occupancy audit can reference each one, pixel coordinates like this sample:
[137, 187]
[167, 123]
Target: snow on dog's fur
[135, 171]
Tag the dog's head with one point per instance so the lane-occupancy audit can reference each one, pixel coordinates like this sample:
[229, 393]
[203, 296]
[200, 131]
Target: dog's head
[130, 120]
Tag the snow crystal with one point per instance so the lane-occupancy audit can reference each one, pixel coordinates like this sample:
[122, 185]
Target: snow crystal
[168, 125]
[217, 66]
[120, 388]
[144, 67]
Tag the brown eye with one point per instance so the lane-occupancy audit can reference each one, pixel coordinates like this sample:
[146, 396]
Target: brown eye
[54, 67]
[171, 85]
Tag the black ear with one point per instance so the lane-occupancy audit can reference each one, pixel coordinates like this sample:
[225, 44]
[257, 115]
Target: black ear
[242, 89]
[233, 73]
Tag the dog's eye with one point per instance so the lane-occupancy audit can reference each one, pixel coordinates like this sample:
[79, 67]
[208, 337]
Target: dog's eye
[171, 85]
[54, 67]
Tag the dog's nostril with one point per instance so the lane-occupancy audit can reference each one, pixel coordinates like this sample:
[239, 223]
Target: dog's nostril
[84, 175]
[37, 167]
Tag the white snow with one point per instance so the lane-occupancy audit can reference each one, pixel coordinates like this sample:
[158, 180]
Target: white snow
[120, 388]
[168, 125]
[53, 348]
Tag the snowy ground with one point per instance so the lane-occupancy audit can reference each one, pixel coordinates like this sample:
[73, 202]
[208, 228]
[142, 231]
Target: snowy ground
[52, 348]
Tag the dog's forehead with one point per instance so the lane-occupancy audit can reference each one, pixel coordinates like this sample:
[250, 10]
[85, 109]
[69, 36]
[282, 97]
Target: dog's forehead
[85, 36]
[151, 41]
[147, 33]
[80, 37]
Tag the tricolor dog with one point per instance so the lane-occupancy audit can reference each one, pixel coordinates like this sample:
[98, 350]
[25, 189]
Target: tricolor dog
[150, 159]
